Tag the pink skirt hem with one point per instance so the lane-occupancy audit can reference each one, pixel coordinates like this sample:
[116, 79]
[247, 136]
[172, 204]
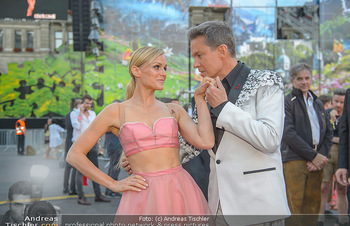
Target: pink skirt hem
[170, 192]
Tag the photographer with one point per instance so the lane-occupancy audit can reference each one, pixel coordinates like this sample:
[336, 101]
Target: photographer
[24, 208]
[20, 194]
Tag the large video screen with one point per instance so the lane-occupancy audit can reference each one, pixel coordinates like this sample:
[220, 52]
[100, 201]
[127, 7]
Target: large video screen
[34, 9]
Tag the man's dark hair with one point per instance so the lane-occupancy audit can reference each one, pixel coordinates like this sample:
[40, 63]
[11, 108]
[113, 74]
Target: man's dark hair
[86, 97]
[215, 34]
[20, 188]
[324, 99]
[340, 92]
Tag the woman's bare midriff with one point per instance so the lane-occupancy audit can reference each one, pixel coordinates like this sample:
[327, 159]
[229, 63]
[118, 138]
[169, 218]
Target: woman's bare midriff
[154, 160]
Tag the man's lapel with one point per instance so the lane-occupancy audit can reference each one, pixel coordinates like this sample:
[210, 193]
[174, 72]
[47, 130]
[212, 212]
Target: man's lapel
[238, 84]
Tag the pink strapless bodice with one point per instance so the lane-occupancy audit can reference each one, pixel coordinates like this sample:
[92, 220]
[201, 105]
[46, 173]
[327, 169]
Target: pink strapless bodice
[137, 136]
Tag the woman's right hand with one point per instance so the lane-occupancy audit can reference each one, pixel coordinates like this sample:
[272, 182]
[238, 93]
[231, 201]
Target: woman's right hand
[131, 183]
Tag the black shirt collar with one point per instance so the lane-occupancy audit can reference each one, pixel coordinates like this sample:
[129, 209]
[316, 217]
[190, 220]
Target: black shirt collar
[231, 77]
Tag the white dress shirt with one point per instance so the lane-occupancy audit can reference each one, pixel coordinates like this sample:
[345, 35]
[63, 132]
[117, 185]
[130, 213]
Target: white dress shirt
[78, 127]
[315, 124]
[75, 124]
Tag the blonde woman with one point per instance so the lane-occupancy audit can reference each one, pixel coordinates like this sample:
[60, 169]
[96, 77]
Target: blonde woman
[148, 131]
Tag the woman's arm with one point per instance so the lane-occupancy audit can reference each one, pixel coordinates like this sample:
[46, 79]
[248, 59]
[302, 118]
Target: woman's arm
[200, 135]
[107, 119]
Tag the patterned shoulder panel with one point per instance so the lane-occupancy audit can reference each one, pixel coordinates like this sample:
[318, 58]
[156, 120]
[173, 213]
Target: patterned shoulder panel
[256, 79]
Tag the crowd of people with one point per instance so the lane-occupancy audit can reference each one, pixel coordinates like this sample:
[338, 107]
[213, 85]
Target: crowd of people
[249, 148]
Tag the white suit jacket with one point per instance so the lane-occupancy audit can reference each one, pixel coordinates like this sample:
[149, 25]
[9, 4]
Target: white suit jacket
[246, 172]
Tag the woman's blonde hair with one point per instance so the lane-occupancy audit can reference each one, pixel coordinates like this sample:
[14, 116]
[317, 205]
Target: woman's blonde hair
[141, 56]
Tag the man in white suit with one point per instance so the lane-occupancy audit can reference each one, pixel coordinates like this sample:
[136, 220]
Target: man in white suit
[247, 108]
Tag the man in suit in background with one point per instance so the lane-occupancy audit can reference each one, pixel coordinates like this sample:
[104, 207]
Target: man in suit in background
[69, 171]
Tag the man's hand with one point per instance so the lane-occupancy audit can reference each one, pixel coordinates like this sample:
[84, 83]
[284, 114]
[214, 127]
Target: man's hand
[341, 175]
[333, 115]
[81, 107]
[311, 167]
[320, 161]
[216, 94]
[335, 140]
[126, 165]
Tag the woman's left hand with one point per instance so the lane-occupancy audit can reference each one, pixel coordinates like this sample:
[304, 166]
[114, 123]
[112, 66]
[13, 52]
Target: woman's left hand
[202, 87]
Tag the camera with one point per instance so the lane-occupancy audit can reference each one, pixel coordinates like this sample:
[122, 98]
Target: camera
[40, 212]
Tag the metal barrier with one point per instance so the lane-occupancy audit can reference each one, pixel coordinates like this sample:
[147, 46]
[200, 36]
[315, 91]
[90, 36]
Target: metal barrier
[34, 137]
[8, 139]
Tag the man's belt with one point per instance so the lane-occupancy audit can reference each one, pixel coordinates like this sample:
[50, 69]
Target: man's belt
[314, 147]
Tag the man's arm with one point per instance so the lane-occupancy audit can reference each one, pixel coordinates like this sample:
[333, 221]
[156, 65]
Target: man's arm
[264, 132]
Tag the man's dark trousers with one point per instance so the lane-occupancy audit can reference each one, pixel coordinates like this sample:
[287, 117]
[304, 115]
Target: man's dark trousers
[20, 144]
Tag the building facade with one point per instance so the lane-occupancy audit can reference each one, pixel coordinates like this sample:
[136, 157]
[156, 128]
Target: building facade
[26, 40]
